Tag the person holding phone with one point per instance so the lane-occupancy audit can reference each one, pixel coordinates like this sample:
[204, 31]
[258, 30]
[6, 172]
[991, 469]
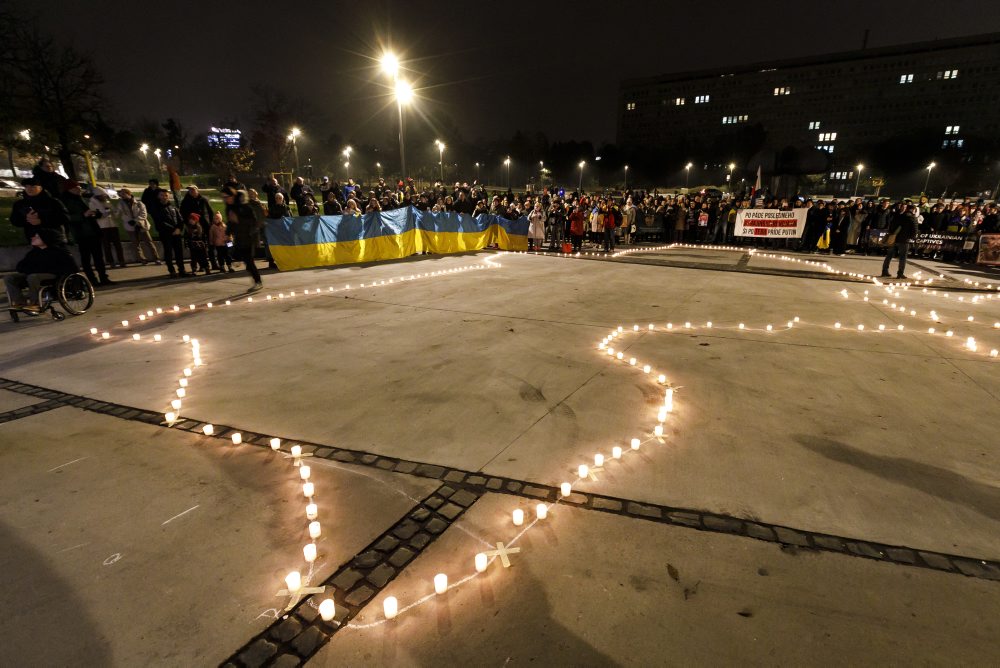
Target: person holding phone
[38, 209]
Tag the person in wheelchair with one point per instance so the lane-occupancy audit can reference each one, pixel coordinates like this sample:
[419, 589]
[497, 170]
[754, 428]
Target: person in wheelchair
[47, 260]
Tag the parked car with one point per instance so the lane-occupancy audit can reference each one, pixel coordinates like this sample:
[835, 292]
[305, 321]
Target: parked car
[10, 188]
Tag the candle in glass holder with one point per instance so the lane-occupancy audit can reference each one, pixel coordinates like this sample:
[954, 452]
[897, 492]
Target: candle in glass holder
[440, 583]
[275, 443]
[311, 511]
[237, 438]
[616, 452]
[309, 552]
[327, 610]
[293, 581]
[481, 562]
[208, 430]
[390, 607]
[541, 511]
[305, 472]
[565, 489]
[308, 489]
[314, 530]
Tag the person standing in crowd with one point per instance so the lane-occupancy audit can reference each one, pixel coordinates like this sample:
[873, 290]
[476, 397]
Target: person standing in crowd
[577, 224]
[110, 235]
[331, 207]
[48, 178]
[197, 244]
[170, 228]
[609, 225]
[218, 238]
[680, 219]
[555, 223]
[271, 190]
[85, 231]
[260, 213]
[195, 202]
[245, 229]
[905, 231]
[150, 197]
[536, 227]
[629, 216]
[48, 259]
[38, 208]
[133, 216]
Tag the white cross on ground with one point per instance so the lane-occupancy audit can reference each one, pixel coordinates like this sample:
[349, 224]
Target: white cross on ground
[297, 596]
[502, 551]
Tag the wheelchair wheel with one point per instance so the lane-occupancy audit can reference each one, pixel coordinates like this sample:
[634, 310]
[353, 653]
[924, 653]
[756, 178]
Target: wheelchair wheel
[76, 294]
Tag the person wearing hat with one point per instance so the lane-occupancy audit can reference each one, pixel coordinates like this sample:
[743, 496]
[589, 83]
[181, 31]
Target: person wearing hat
[134, 216]
[47, 260]
[197, 244]
[38, 208]
[195, 202]
[85, 231]
[170, 227]
[100, 205]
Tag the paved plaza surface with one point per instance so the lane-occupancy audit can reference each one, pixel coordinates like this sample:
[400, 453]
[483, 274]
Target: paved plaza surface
[820, 494]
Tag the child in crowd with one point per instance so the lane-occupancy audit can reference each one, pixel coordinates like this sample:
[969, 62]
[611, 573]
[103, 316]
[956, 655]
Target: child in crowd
[220, 240]
[197, 244]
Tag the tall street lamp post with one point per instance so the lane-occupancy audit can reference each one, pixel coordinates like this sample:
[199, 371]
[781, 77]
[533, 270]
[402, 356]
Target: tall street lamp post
[507, 165]
[583, 163]
[293, 137]
[440, 146]
[687, 175]
[404, 95]
[857, 182]
[927, 182]
[626, 178]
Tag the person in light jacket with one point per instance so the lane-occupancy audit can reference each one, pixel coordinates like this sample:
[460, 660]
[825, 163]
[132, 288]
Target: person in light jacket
[536, 227]
[133, 215]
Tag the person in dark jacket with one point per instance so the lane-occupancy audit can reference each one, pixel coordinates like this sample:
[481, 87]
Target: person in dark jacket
[331, 207]
[905, 230]
[170, 227]
[38, 208]
[245, 228]
[51, 181]
[150, 197]
[195, 202]
[86, 233]
[48, 259]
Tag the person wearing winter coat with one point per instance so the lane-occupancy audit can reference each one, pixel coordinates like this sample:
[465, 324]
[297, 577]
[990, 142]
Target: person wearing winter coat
[197, 244]
[536, 227]
[245, 227]
[85, 231]
[629, 216]
[577, 225]
[100, 204]
[610, 217]
[37, 209]
[48, 259]
[905, 229]
[195, 202]
[219, 239]
[170, 227]
[133, 215]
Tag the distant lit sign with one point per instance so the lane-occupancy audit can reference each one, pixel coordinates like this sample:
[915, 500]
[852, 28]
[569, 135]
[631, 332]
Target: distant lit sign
[225, 138]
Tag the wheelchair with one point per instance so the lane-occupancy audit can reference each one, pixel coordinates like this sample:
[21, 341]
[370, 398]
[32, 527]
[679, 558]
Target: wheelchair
[73, 292]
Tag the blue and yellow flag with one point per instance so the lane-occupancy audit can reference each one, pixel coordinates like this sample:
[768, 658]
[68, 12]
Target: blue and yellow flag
[319, 241]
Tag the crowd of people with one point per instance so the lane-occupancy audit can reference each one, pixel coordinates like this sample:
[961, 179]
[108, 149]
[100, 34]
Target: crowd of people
[557, 220]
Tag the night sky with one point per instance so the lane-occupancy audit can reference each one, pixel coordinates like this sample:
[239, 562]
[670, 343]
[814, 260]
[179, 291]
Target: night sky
[551, 67]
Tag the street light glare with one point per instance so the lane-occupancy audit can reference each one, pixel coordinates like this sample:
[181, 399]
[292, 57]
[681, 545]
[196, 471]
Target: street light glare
[295, 133]
[144, 148]
[347, 151]
[404, 92]
[689, 165]
[932, 165]
[390, 63]
[507, 161]
[860, 167]
[582, 163]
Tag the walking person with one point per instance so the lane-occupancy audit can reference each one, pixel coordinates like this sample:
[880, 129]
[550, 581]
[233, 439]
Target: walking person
[245, 229]
[906, 230]
[134, 217]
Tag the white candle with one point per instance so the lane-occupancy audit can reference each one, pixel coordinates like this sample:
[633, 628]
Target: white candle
[631, 361]
[617, 355]
[181, 392]
[327, 609]
[135, 337]
[209, 304]
[481, 562]
[304, 472]
[616, 452]
[541, 511]
[861, 328]
[187, 372]
[440, 583]
[311, 511]
[661, 379]
[582, 471]
[208, 430]
[185, 338]
[307, 490]
[709, 324]
[598, 460]
[646, 368]
[293, 581]
[183, 382]
[105, 335]
[390, 607]
[124, 323]
[836, 325]
[275, 443]
[769, 328]
[742, 326]
[296, 451]
[565, 489]
[662, 415]
[651, 326]
[150, 313]
[93, 330]
[157, 337]
[309, 552]
[315, 530]
[197, 361]
[237, 438]
[635, 444]
[158, 310]
[176, 404]
[658, 430]
[170, 416]
[518, 517]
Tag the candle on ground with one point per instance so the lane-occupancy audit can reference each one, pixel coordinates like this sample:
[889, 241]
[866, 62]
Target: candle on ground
[309, 552]
[208, 429]
[481, 562]
[304, 472]
[275, 443]
[237, 438]
[635, 444]
[518, 517]
[293, 581]
[541, 511]
[616, 452]
[311, 511]
[390, 607]
[440, 583]
[315, 530]
[327, 609]
[307, 490]
[565, 489]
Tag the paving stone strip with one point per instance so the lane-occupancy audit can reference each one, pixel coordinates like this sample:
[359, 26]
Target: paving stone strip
[477, 483]
[301, 632]
[27, 411]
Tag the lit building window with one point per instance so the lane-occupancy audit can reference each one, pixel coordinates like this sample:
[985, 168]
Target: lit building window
[905, 78]
[783, 90]
[951, 130]
[814, 125]
[730, 120]
[630, 106]
[828, 136]
[825, 147]
[948, 74]
[701, 99]
[953, 143]
[679, 101]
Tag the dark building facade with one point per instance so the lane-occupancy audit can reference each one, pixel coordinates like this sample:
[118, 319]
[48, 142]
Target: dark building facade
[893, 109]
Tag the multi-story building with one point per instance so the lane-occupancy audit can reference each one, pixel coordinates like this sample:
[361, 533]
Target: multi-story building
[943, 95]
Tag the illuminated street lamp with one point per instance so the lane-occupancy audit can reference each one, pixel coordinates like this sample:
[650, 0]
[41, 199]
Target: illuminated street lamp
[927, 183]
[687, 175]
[477, 171]
[626, 178]
[292, 137]
[404, 95]
[347, 163]
[732, 166]
[25, 135]
[159, 165]
[507, 164]
[440, 145]
[857, 182]
[583, 163]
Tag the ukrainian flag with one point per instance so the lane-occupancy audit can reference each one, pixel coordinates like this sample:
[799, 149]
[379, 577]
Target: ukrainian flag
[319, 241]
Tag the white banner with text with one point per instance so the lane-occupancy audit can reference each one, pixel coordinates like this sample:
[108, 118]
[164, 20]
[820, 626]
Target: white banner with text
[771, 223]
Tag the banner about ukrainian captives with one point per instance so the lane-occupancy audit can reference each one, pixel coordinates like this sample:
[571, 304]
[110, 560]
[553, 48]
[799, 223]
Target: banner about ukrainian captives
[771, 223]
[319, 241]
